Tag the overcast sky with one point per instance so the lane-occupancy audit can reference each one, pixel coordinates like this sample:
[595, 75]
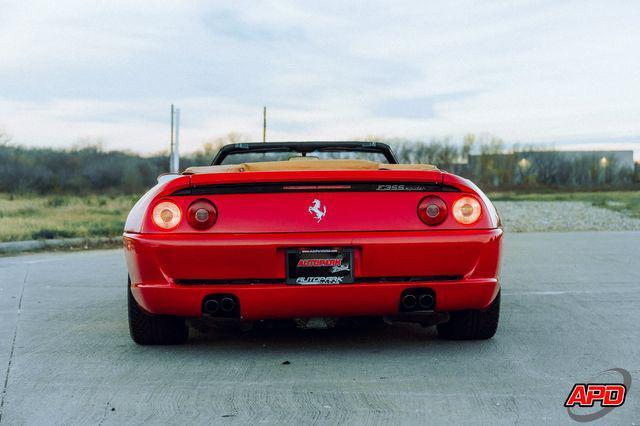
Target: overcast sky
[561, 72]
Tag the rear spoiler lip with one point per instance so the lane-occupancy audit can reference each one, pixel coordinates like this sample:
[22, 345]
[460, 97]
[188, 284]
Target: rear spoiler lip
[424, 176]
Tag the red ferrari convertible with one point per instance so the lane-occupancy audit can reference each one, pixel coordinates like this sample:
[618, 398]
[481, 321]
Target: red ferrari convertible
[316, 232]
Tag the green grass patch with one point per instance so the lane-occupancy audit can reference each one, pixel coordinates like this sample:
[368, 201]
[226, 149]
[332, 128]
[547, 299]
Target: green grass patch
[33, 217]
[627, 202]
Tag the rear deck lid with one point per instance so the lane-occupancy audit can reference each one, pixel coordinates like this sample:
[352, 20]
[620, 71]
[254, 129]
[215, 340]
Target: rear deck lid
[329, 201]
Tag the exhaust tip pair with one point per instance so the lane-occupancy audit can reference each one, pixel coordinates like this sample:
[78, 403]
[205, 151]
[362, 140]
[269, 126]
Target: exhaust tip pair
[417, 299]
[221, 305]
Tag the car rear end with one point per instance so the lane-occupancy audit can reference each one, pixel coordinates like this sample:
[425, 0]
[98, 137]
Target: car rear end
[301, 244]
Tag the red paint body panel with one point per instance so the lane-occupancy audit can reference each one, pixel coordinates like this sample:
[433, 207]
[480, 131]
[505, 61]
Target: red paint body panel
[458, 262]
[155, 262]
[346, 211]
[273, 301]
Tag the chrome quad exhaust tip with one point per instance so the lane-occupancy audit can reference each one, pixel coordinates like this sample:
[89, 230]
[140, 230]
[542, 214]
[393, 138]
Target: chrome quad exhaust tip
[221, 305]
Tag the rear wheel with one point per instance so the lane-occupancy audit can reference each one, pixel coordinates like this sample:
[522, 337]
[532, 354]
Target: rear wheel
[148, 329]
[471, 325]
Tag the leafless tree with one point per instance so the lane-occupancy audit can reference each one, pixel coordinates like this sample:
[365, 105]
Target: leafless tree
[4, 138]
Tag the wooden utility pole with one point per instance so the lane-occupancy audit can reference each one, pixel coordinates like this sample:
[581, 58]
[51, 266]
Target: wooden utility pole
[264, 124]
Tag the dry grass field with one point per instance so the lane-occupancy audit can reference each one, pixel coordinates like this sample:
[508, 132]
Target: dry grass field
[626, 202]
[44, 217]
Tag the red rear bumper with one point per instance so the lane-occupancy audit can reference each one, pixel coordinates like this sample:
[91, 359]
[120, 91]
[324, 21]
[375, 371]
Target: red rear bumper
[461, 267]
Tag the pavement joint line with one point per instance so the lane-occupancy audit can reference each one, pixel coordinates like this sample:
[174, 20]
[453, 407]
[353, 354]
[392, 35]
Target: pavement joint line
[561, 292]
[13, 345]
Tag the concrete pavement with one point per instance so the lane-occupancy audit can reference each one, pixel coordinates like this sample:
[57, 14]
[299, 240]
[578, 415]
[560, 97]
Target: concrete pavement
[571, 309]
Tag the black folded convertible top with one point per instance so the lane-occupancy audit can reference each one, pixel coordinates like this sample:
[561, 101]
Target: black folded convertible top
[304, 148]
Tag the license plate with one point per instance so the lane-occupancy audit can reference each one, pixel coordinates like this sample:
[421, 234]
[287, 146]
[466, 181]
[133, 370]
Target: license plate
[320, 266]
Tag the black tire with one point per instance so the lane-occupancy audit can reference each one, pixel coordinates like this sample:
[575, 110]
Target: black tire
[472, 325]
[148, 329]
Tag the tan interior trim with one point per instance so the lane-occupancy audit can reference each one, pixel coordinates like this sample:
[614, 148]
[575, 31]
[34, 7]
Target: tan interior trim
[306, 165]
[407, 167]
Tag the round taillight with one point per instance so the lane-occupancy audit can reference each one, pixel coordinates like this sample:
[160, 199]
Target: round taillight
[202, 214]
[466, 210]
[432, 210]
[166, 215]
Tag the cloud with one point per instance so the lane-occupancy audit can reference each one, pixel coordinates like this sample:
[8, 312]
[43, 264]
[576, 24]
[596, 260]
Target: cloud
[528, 71]
[418, 108]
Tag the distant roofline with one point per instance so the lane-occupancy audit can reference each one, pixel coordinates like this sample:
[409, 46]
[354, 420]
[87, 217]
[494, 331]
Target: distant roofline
[542, 151]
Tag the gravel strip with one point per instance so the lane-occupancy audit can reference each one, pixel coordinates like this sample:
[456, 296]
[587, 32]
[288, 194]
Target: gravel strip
[542, 216]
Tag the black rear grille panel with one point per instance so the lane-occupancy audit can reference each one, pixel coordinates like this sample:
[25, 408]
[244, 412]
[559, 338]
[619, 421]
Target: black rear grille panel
[267, 188]
[367, 280]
